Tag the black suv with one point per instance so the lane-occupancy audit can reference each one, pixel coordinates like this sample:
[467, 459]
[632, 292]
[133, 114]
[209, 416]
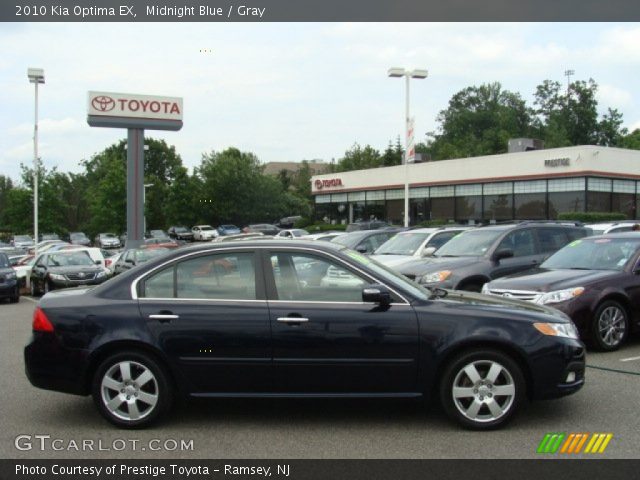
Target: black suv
[475, 257]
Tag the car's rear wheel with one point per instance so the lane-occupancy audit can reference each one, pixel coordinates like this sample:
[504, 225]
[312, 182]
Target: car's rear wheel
[481, 389]
[610, 326]
[131, 390]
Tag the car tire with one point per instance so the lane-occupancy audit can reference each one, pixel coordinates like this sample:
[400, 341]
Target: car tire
[126, 403]
[610, 326]
[34, 290]
[16, 297]
[46, 287]
[481, 389]
[472, 287]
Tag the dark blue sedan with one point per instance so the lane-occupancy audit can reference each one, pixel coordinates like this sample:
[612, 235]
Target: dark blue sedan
[268, 319]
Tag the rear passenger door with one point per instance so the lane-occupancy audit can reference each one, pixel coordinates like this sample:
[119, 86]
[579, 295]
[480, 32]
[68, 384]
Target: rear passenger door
[208, 313]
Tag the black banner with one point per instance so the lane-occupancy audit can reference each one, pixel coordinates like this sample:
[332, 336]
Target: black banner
[320, 11]
[318, 469]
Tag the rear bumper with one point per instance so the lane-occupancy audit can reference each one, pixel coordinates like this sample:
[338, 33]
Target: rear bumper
[50, 366]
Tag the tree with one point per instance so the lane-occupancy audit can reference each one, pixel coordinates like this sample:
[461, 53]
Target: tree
[239, 191]
[359, 158]
[631, 140]
[480, 121]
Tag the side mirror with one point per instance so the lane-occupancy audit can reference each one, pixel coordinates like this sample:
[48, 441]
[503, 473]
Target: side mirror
[361, 249]
[427, 252]
[129, 260]
[97, 262]
[503, 253]
[376, 294]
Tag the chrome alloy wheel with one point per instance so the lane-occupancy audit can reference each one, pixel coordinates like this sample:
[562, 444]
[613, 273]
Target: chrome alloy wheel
[129, 390]
[612, 326]
[483, 391]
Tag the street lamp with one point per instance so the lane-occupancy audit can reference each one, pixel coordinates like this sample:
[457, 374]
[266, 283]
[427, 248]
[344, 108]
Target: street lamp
[407, 74]
[36, 76]
[144, 202]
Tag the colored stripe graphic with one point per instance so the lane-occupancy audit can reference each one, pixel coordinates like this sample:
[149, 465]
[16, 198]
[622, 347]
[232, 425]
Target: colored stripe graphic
[551, 442]
[573, 443]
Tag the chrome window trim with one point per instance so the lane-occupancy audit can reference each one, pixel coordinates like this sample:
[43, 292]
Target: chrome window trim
[227, 300]
[134, 284]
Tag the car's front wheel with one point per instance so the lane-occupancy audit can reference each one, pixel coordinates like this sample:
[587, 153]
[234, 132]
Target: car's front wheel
[481, 389]
[610, 326]
[131, 390]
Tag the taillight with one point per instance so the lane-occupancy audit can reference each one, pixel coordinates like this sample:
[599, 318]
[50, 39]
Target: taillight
[107, 262]
[40, 321]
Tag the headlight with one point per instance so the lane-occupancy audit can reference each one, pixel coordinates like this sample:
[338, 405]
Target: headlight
[55, 276]
[101, 274]
[11, 275]
[436, 277]
[567, 330]
[560, 295]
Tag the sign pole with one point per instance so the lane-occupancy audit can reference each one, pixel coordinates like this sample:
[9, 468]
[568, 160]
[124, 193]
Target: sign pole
[135, 186]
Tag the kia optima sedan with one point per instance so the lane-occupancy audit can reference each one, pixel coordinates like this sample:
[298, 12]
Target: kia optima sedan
[254, 319]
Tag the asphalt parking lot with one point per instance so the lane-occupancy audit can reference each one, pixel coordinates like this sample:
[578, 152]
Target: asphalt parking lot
[311, 428]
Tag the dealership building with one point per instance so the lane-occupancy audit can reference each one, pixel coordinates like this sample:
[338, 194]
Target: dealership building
[536, 184]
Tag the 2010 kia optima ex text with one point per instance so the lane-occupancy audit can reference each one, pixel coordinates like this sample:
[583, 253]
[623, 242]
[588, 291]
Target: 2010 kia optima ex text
[266, 319]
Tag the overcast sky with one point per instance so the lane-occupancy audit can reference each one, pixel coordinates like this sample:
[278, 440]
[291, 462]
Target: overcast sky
[288, 91]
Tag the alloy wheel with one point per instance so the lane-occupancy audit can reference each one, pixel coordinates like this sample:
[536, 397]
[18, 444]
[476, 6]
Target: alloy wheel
[483, 391]
[612, 326]
[129, 390]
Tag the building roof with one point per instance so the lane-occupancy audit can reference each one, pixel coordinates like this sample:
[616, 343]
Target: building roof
[531, 165]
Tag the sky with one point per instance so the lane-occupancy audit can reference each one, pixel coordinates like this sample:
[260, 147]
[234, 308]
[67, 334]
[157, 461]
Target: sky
[287, 91]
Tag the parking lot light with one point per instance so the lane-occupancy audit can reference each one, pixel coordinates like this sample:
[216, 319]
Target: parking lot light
[36, 76]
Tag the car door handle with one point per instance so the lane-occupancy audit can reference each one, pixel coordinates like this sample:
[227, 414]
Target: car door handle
[292, 319]
[164, 317]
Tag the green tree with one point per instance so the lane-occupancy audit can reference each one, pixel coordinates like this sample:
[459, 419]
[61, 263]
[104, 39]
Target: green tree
[359, 158]
[480, 121]
[241, 194]
[631, 140]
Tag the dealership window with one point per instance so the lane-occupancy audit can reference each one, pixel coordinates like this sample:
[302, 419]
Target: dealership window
[396, 194]
[355, 197]
[623, 198]
[599, 185]
[323, 198]
[469, 208]
[419, 210]
[395, 212]
[442, 208]
[339, 198]
[530, 200]
[498, 188]
[498, 207]
[374, 195]
[566, 195]
[530, 206]
[418, 192]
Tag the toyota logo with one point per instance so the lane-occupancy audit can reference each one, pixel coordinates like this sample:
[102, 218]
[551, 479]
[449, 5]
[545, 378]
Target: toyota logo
[103, 103]
[81, 275]
[319, 184]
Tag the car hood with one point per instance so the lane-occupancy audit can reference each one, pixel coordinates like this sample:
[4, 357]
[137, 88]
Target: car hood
[543, 280]
[416, 268]
[501, 306]
[392, 260]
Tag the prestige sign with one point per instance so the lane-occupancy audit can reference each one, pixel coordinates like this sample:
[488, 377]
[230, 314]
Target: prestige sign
[107, 104]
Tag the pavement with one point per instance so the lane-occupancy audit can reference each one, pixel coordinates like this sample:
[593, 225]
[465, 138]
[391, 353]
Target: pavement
[292, 429]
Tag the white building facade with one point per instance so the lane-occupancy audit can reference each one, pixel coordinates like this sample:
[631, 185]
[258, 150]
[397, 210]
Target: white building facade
[537, 184]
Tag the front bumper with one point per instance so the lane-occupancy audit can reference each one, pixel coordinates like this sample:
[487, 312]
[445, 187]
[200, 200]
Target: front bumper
[9, 288]
[558, 369]
[77, 283]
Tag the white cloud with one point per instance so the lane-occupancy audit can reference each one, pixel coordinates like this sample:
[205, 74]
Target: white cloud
[64, 126]
[614, 97]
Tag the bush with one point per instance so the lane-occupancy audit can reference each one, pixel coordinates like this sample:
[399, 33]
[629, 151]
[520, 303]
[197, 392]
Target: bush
[592, 217]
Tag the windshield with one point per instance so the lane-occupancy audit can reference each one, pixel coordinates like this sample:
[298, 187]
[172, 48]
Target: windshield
[22, 238]
[472, 243]
[206, 227]
[77, 236]
[69, 259]
[402, 244]
[594, 254]
[388, 275]
[180, 230]
[108, 235]
[299, 233]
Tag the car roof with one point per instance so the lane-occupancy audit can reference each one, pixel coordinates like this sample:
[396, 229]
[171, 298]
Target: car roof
[624, 235]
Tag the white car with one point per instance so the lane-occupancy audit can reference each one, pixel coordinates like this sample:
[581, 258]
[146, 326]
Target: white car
[23, 272]
[204, 233]
[611, 227]
[322, 236]
[414, 244]
[94, 252]
[292, 233]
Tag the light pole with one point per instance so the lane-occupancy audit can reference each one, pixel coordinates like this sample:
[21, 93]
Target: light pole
[407, 74]
[36, 76]
[144, 202]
